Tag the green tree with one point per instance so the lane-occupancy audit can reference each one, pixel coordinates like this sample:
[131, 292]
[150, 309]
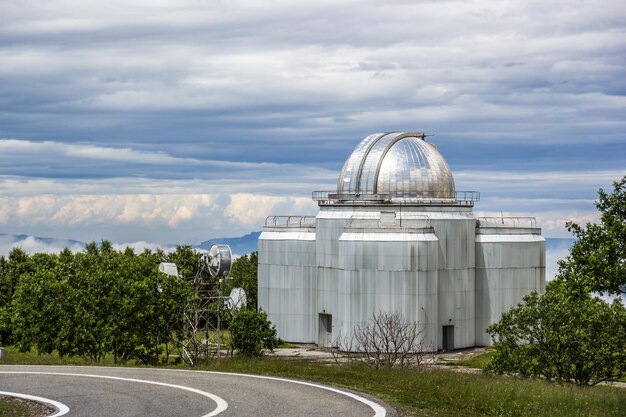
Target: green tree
[93, 299]
[568, 334]
[94, 302]
[40, 304]
[563, 336]
[251, 333]
[186, 259]
[12, 268]
[597, 259]
[244, 274]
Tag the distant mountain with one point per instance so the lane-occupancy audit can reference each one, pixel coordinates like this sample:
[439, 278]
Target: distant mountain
[238, 245]
[33, 244]
[7, 238]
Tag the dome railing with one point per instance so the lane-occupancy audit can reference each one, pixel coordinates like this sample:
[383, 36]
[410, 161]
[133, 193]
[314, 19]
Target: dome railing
[290, 221]
[506, 221]
[463, 198]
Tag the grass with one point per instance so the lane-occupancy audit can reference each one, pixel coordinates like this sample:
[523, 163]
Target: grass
[12, 408]
[446, 393]
[12, 356]
[420, 392]
[478, 361]
[481, 361]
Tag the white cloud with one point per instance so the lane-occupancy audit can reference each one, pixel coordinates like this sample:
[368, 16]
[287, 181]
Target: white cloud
[250, 209]
[30, 245]
[365, 61]
[140, 246]
[85, 210]
[544, 177]
[11, 149]
[552, 223]
[137, 113]
[181, 216]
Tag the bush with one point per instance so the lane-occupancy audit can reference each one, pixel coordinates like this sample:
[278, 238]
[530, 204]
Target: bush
[563, 336]
[251, 333]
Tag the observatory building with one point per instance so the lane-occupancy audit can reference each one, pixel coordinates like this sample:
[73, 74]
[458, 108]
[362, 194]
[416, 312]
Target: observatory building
[396, 236]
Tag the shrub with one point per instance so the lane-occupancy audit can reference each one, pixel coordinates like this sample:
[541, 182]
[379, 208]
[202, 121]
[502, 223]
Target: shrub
[252, 333]
[563, 336]
[386, 340]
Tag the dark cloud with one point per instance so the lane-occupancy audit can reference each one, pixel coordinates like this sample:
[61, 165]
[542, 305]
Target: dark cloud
[290, 88]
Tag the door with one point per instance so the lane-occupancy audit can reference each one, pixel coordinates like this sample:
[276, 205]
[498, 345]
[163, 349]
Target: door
[448, 338]
[325, 334]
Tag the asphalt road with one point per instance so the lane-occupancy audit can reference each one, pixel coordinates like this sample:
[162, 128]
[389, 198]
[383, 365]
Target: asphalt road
[125, 392]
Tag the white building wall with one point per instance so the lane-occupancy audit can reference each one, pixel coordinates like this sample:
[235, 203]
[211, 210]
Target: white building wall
[329, 227]
[453, 275]
[456, 291]
[510, 263]
[287, 282]
[388, 272]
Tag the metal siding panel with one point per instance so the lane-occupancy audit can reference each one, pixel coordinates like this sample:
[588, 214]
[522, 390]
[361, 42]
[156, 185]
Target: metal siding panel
[506, 271]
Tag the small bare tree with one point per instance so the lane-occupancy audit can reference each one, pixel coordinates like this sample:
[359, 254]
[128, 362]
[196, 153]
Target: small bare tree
[386, 340]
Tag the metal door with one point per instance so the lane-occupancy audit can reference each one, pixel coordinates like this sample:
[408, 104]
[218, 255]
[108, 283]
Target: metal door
[448, 338]
[325, 334]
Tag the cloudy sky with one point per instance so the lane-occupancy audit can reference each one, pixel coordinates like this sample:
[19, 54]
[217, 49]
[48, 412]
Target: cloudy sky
[178, 121]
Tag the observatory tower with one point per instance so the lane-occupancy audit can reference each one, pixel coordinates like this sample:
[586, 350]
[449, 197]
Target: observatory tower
[396, 236]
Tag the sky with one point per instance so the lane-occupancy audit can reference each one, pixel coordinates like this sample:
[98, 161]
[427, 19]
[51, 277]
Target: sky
[180, 121]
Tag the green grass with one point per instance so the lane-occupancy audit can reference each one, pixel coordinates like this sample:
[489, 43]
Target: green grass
[425, 393]
[481, 361]
[447, 393]
[478, 361]
[10, 408]
[12, 356]
[286, 345]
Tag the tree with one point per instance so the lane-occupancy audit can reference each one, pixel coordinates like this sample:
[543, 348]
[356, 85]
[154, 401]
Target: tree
[568, 334]
[12, 269]
[244, 274]
[92, 303]
[186, 259]
[40, 305]
[597, 260]
[563, 336]
[94, 297]
[251, 333]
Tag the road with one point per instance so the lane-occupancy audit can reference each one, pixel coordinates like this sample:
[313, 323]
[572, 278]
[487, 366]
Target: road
[107, 391]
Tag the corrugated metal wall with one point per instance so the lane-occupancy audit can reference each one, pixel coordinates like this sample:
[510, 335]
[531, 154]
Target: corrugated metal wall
[287, 282]
[432, 264]
[510, 263]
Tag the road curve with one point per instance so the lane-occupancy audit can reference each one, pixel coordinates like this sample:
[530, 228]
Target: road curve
[107, 391]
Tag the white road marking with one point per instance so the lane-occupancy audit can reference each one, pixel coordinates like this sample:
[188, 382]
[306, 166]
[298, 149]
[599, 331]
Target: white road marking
[379, 411]
[221, 403]
[63, 409]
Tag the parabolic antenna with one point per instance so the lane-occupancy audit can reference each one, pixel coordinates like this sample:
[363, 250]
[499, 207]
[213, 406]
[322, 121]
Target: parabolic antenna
[168, 268]
[219, 260]
[236, 299]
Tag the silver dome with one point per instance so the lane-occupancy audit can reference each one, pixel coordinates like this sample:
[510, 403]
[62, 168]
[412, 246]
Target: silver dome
[401, 165]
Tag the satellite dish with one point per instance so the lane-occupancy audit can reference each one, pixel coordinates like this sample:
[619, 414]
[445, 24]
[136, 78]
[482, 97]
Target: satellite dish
[169, 268]
[219, 260]
[236, 299]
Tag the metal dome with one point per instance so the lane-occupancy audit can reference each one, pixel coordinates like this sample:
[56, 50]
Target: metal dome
[401, 165]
